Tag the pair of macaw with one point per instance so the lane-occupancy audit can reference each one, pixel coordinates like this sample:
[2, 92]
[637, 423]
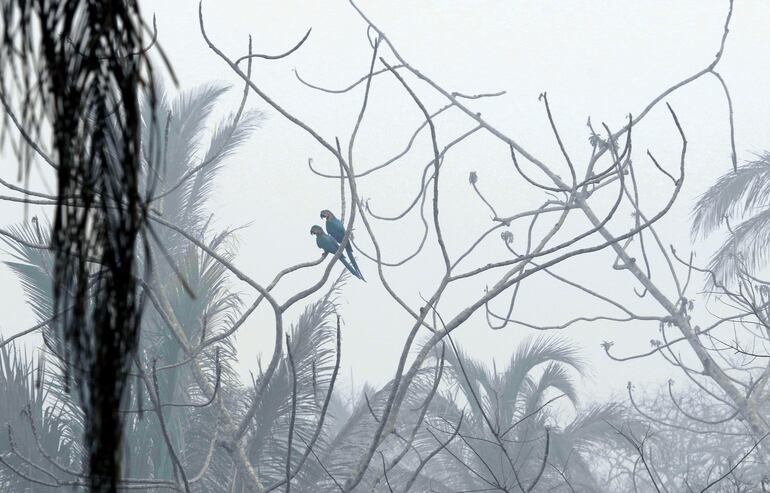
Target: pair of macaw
[329, 242]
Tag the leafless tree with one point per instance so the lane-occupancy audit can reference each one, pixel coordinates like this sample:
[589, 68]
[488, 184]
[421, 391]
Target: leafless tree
[574, 217]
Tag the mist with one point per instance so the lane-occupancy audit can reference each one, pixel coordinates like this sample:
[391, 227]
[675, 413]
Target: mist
[542, 265]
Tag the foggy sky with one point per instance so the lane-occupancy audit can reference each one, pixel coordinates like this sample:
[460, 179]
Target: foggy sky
[602, 59]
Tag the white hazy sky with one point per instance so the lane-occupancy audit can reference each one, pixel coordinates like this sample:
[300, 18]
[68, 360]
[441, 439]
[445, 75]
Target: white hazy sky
[602, 59]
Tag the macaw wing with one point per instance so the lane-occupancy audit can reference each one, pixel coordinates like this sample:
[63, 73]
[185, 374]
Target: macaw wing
[335, 228]
[327, 244]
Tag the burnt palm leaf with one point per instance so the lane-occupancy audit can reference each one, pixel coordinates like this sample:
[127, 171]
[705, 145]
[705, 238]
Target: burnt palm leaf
[88, 75]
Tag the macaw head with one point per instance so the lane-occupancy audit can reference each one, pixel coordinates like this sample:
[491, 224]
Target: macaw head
[326, 214]
[316, 230]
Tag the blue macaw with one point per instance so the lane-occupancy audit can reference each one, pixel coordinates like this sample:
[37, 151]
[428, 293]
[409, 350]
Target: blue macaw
[337, 231]
[329, 245]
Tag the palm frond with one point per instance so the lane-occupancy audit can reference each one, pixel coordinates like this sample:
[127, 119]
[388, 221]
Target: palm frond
[474, 379]
[532, 353]
[745, 250]
[33, 266]
[555, 377]
[734, 195]
[35, 433]
[183, 122]
[189, 112]
[312, 343]
[228, 135]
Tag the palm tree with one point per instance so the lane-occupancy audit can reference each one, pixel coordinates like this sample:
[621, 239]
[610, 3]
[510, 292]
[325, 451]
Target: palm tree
[470, 398]
[33, 430]
[743, 197]
[191, 283]
[350, 426]
[509, 438]
[293, 402]
[80, 66]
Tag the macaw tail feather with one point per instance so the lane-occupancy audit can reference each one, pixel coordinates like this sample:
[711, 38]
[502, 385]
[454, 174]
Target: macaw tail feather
[349, 249]
[349, 267]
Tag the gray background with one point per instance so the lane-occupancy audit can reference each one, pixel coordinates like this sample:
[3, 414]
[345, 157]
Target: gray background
[602, 59]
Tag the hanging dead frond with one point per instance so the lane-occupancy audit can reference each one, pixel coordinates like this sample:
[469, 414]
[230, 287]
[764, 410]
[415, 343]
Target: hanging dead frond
[80, 66]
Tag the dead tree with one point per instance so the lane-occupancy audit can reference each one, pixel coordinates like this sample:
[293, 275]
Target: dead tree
[610, 165]
[596, 191]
